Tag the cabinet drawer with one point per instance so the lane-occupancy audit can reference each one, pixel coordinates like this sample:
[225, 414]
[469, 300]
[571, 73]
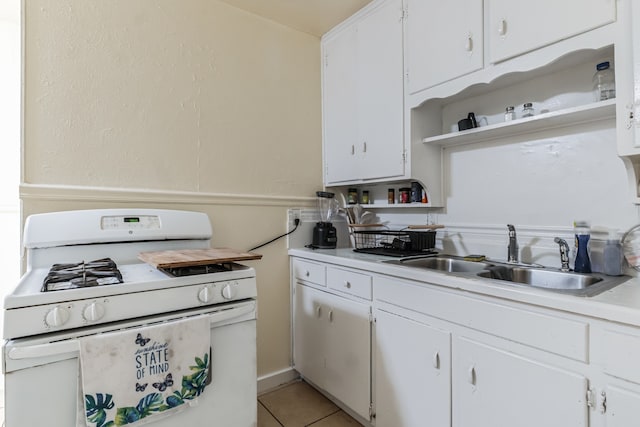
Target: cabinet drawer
[309, 272]
[621, 355]
[350, 282]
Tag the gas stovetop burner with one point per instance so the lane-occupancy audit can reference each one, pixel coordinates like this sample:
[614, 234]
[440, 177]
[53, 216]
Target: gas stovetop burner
[84, 274]
[192, 270]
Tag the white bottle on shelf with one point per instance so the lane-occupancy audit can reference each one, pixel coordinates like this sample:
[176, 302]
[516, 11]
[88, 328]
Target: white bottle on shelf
[604, 83]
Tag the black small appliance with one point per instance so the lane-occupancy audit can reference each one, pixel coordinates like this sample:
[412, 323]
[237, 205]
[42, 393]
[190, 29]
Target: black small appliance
[324, 233]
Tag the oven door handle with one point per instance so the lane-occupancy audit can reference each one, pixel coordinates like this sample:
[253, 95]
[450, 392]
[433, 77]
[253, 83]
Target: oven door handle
[44, 350]
[73, 345]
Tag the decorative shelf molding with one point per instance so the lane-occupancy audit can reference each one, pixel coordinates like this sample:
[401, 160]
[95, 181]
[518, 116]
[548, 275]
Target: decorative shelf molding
[552, 120]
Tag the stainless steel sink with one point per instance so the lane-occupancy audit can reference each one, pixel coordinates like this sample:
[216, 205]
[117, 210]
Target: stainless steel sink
[447, 263]
[567, 282]
[542, 278]
[518, 274]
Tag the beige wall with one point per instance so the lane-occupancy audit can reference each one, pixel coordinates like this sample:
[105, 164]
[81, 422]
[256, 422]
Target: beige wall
[188, 104]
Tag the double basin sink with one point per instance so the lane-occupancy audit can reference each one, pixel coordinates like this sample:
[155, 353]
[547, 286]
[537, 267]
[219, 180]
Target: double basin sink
[521, 274]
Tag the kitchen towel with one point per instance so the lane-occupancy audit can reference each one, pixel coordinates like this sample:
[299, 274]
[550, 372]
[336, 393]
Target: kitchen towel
[134, 376]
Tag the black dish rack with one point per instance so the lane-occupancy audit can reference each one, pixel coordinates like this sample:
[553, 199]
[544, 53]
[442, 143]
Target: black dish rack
[393, 243]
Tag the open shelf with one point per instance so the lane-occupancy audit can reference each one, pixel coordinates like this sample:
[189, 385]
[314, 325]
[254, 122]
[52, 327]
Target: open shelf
[397, 205]
[552, 120]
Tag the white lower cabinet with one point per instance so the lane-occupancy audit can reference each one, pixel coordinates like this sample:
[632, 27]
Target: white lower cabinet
[332, 345]
[446, 358]
[493, 387]
[413, 368]
[621, 406]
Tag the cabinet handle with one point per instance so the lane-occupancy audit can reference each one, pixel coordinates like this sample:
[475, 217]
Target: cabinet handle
[436, 360]
[364, 147]
[306, 273]
[471, 375]
[353, 149]
[468, 46]
[603, 402]
[330, 316]
[318, 311]
[502, 27]
[347, 284]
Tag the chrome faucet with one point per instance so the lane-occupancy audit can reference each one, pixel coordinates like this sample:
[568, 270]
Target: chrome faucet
[512, 249]
[564, 253]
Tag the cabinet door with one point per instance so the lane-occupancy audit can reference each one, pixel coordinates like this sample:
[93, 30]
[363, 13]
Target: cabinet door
[444, 41]
[332, 345]
[412, 373]
[492, 387]
[380, 92]
[309, 333]
[622, 407]
[517, 27]
[339, 108]
[348, 353]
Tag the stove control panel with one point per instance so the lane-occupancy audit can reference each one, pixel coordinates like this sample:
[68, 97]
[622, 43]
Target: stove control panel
[128, 222]
[54, 317]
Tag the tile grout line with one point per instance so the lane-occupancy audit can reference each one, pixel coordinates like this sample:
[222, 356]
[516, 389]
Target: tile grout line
[326, 416]
[273, 415]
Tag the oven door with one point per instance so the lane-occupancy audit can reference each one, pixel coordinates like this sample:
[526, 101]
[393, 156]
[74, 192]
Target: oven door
[41, 373]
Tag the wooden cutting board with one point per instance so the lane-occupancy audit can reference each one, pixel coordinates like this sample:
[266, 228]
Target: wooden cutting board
[425, 227]
[190, 257]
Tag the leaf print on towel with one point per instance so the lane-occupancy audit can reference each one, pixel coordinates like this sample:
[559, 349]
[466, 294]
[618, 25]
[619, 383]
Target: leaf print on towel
[97, 409]
[148, 405]
[192, 386]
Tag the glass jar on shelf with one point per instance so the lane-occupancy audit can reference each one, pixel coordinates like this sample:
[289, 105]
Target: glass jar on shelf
[527, 110]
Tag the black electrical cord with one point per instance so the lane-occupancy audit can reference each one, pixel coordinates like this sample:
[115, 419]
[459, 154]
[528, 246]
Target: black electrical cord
[296, 222]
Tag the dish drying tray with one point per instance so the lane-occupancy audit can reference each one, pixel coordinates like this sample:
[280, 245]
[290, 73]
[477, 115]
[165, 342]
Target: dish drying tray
[378, 239]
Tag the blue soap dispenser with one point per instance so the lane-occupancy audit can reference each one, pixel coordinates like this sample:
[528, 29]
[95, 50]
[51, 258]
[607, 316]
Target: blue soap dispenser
[583, 233]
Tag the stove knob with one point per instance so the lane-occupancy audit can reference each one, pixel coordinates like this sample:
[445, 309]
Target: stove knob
[230, 290]
[57, 316]
[204, 295]
[94, 311]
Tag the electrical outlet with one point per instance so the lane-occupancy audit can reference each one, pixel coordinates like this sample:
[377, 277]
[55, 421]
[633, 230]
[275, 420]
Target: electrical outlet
[293, 214]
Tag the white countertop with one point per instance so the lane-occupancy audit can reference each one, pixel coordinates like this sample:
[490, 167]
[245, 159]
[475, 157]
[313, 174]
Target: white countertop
[620, 304]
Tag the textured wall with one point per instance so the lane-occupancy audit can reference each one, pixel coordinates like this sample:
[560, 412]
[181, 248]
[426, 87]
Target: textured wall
[182, 95]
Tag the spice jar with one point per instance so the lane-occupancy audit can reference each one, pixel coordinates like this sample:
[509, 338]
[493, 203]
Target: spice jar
[527, 110]
[509, 114]
[391, 196]
[352, 196]
[365, 197]
[405, 195]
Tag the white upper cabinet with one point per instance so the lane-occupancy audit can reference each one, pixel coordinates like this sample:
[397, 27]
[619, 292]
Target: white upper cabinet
[444, 40]
[517, 27]
[363, 97]
[340, 107]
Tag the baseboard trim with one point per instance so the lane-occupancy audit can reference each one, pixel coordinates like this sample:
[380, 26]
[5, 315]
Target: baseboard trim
[276, 379]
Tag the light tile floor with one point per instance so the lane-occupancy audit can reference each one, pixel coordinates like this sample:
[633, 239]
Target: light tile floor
[299, 405]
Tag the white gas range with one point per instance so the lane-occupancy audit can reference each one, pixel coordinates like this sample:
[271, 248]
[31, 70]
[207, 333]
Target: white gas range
[42, 326]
